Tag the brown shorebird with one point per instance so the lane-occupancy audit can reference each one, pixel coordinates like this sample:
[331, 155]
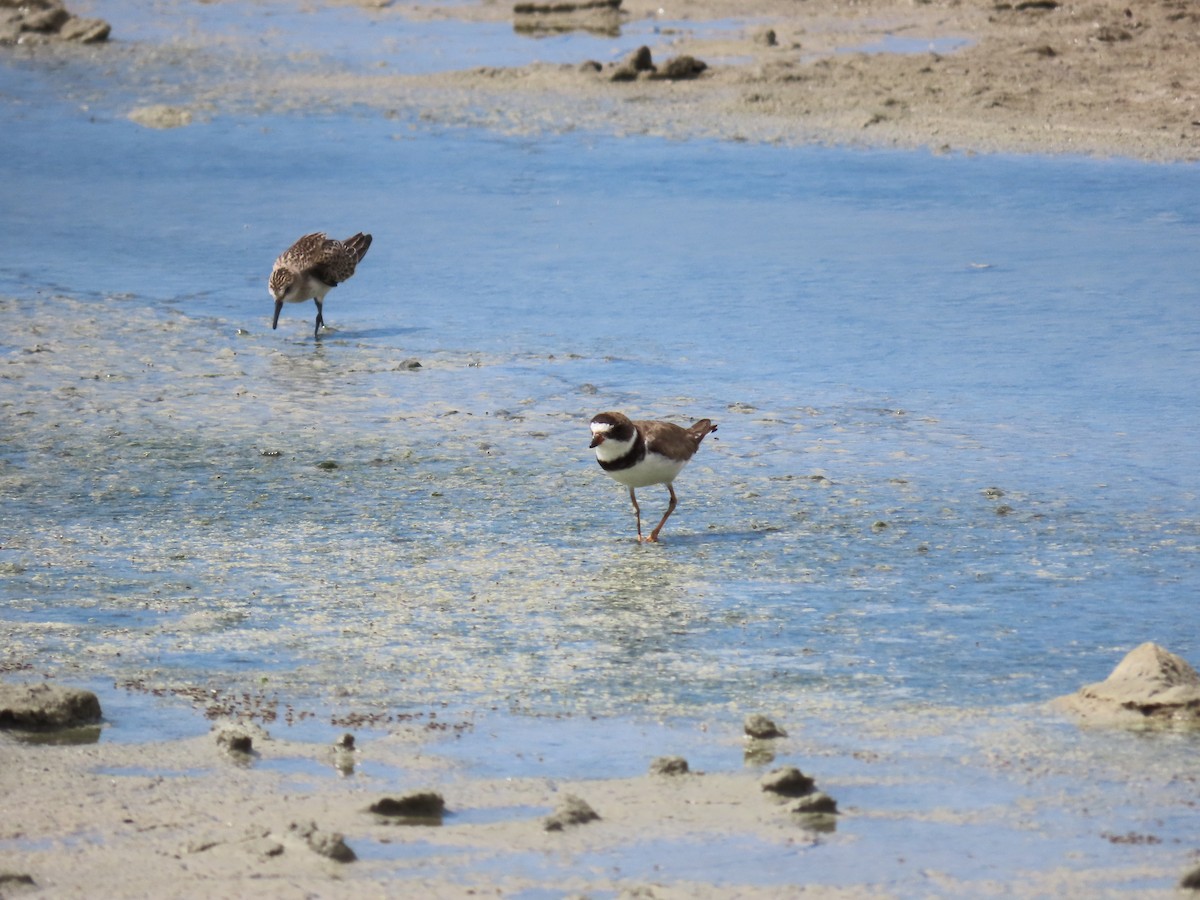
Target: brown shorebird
[639, 454]
[311, 266]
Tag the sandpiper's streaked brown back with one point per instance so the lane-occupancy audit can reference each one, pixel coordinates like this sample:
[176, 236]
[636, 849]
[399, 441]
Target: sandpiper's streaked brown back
[311, 267]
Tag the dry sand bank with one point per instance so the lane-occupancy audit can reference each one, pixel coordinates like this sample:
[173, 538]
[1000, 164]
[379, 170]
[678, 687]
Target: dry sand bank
[1094, 78]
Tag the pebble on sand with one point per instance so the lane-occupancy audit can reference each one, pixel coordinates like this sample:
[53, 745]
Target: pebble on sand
[329, 844]
[413, 805]
[816, 803]
[760, 727]
[787, 781]
[238, 737]
[45, 21]
[571, 810]
[1191, 881]
[669, 765]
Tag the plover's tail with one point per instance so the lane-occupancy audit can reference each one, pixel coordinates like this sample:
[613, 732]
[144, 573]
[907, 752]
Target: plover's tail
[700, 430]
[358, 245]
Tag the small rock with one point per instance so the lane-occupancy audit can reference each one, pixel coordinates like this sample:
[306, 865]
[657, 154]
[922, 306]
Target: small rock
[413, 805]
[760, 727]
[324, 843]
[571, 810]
[669, 765]
[237, 737]
[15, 878]
[640, 60]
[408, 364]
[562, 6]
[46, 706]
[787, 781]
[680, 68]
[1191, 881]
[766, 37]
[327, 465]
[44, 21]
[816, 803]
[239, 743]
[344, 754]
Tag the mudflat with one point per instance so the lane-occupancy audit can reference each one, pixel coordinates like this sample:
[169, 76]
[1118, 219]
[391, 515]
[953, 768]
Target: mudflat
[1100, 78]
[1032, 76]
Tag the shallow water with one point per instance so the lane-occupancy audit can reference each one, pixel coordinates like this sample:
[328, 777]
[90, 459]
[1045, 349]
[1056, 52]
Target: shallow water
[871, 384]
[956, 464]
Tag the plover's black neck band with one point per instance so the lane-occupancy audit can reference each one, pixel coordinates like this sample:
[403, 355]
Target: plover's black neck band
[635, 455]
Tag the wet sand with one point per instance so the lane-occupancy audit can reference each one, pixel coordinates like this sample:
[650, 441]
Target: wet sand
[1099, 78]
[191, 818]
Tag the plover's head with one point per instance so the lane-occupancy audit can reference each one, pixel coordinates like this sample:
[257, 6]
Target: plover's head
[612, 426]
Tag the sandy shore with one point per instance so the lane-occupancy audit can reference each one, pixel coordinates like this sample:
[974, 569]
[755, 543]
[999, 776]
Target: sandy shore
[1098, 78]
[195, 818]
[243, 812]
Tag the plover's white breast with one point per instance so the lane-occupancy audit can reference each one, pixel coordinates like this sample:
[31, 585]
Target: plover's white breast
[654, 468]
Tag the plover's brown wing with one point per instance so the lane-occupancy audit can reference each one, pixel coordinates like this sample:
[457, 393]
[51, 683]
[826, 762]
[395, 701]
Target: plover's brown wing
[667, 439]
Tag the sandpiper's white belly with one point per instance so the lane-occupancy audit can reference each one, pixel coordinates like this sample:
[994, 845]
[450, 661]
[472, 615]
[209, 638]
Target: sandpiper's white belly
[654, 469]
[306, 288]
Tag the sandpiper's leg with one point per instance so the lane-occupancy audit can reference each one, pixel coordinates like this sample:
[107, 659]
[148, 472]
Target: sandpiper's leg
[320, 318]
[637, 511]
[666, 515]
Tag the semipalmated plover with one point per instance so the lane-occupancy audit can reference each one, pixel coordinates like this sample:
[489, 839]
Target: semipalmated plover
[639, 454]
[313, 265]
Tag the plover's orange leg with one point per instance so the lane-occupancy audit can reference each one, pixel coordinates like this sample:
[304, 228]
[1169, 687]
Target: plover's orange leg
[670, 509]
[637, 511]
